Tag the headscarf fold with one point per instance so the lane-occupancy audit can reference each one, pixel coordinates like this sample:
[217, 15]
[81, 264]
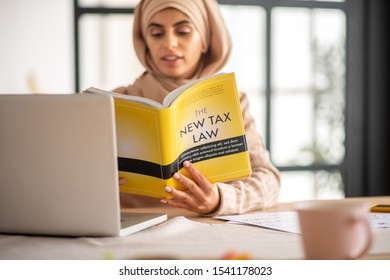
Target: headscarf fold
[207, 18]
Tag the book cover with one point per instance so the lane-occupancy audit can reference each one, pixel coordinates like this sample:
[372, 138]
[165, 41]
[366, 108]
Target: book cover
[200, 122]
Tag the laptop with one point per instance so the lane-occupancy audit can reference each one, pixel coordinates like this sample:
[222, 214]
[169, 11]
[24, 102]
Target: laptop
[58, 167]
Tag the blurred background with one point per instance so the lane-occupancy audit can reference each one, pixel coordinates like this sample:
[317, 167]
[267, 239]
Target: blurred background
[315, 73]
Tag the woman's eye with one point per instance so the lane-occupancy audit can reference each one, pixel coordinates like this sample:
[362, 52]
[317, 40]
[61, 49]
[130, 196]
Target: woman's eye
[184, 31]
[156, 34]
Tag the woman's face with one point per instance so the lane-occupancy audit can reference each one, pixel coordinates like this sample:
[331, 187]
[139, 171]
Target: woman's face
[174, 44]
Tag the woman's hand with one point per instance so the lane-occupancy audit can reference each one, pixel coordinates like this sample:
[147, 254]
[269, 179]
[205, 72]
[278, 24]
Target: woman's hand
[200, 195]
[121, 181]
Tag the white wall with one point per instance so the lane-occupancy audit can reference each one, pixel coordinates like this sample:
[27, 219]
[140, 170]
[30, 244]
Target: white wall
[36, 46]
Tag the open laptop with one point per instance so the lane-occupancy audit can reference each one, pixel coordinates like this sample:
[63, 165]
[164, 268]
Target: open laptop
[58, 167]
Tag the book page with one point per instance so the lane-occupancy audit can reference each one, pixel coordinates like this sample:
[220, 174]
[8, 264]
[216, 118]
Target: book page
[173, 95]
[130, 98]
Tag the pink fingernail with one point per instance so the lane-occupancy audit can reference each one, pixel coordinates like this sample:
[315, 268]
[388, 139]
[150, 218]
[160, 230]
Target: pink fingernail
[168, 189]
[186, 164]
[176, 175]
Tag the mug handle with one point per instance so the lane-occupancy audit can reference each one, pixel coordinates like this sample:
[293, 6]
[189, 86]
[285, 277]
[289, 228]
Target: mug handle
[369, 239]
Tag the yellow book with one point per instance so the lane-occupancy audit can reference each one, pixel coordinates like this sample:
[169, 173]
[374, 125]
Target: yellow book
[200, 122]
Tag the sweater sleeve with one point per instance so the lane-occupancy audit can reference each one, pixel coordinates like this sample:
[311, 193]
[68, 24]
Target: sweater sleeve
[261, 189]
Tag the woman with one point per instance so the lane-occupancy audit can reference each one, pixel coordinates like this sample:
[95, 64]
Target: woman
[178, 41]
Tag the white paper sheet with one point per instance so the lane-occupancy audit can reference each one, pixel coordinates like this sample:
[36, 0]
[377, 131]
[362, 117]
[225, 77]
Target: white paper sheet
[283, 221]
[288, 220]
[379, 220]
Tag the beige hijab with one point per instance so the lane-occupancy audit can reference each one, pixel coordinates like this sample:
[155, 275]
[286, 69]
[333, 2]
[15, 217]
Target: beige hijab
[207, 17]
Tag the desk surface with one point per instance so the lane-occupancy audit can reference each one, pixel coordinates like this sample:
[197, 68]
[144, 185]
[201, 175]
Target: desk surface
[184, 236]
[174, 212]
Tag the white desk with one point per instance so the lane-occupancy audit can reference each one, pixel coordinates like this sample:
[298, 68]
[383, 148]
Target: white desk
[184, 236]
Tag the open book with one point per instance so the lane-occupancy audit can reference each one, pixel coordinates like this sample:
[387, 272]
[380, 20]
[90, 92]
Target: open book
[200, 122]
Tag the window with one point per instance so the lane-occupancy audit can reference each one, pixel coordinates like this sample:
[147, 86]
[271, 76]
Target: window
[308, 99]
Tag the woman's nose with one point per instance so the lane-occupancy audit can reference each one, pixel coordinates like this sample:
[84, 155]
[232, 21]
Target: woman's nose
[170, 41]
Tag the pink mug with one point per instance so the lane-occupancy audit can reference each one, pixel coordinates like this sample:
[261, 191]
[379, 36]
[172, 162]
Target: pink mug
[334, 229]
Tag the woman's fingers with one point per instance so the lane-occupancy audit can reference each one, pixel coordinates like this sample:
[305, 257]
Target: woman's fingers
[122, 181]
[201, 181]
[199, 194]
[180, 199]
[190, 186]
